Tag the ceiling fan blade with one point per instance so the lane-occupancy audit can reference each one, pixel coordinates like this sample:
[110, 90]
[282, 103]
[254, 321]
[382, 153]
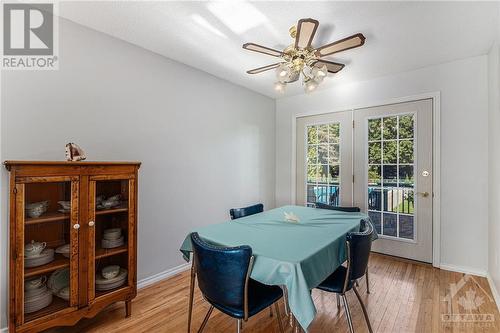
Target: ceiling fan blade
[263, 69]
[332, 67]
[341, 45]
[262, 49]
[306, 29]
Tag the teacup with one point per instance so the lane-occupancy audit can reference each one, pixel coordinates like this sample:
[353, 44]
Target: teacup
[34, 248]
[35, 283]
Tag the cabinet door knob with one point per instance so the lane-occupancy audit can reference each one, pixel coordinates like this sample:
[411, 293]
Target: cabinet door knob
[76, 226]
[91, 223]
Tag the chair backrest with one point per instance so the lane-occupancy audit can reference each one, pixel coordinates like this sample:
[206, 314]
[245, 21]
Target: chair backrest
[221, 271]
[360, 244]
[337, 208]
[236, 213]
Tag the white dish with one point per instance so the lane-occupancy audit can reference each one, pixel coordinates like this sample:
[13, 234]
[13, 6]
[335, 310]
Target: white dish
[58, 280]
[100, 280]
[38, 302]
[43, 258]
[35, 283]
[64, 293]
[64, 250]
[66, 205]
[32, 293]
[110, 272]
[110, 244]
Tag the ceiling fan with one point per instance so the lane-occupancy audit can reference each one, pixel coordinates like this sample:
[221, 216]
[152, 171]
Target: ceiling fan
[301, 57]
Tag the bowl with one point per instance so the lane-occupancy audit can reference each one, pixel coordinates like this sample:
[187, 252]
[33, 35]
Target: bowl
[110, 272]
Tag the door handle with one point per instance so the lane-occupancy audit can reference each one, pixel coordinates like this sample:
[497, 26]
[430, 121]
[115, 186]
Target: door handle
[91, 223]
[423, 194]
[76, 226]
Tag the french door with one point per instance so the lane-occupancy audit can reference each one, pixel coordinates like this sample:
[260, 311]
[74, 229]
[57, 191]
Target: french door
[385, 169]
[324, 159]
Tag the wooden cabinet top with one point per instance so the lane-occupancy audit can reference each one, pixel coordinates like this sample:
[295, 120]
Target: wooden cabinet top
[9, 164]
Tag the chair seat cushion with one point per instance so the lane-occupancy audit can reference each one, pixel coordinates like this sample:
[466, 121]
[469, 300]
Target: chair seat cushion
[260, 296]
[335, 282]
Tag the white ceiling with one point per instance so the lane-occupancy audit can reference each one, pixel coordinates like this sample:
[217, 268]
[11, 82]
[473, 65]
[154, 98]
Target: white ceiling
[400, 36]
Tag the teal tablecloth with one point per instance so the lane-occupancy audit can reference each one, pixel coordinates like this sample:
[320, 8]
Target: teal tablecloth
[298, 255]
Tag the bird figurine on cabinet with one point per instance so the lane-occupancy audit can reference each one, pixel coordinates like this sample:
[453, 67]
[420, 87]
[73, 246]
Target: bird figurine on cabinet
[74, 153]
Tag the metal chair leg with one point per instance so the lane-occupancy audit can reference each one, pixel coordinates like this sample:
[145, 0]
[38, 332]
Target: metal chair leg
[364, 310]
[278, 317]
[367, 282]
[347, 313]
[191, 296]
[338, 301]
[205, 321]
[240, 326]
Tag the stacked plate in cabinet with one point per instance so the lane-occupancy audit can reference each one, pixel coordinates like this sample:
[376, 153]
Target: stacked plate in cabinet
[46, 256]
[103, 284]
[112, 238]
[36, 295]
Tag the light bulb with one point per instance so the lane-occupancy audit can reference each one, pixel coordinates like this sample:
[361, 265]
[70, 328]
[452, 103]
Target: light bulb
[280, 87]
[319, 73]
[322, 71]
[310, 85]
[282, 72]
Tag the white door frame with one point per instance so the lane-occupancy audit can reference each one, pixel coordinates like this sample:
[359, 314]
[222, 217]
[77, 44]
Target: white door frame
[436, 157]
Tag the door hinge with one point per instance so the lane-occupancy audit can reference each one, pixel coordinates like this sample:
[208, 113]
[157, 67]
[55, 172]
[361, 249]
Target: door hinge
[353, 178]
[353, 124]
[14, 190]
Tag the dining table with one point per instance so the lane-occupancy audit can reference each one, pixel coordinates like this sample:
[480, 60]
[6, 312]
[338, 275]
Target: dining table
[295, 247]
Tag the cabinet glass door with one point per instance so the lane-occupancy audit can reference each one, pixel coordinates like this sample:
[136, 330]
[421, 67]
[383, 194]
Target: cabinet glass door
[112, 219]
[46, 246]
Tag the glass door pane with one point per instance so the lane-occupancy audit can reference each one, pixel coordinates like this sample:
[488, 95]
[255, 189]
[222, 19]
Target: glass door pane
[323, 164]
[50, 254]
[390, 175]
[112, 212]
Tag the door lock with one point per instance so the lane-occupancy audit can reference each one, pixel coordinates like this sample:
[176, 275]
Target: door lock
[423, 194]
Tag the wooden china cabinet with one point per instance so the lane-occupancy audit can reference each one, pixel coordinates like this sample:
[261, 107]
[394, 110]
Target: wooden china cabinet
[98, 197]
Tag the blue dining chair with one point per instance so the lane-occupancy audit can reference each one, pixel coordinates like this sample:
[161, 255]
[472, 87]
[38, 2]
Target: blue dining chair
[358, 247]
[237, 213]
[223, 275]
[338, 208]
[347, 210]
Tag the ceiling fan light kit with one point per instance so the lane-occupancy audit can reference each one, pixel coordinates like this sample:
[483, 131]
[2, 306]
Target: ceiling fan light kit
[301, 58]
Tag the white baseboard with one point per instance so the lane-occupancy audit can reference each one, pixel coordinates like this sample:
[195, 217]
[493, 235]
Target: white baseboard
[462, 269]
[161, 276]
[494, 290]
[4, 330]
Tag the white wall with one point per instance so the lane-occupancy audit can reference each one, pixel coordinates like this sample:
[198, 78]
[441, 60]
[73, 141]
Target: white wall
[494, 162]
[464, 150]
[206, 144]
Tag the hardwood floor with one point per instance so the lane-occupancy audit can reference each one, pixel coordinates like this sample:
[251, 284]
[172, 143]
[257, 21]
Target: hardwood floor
[405, 297]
